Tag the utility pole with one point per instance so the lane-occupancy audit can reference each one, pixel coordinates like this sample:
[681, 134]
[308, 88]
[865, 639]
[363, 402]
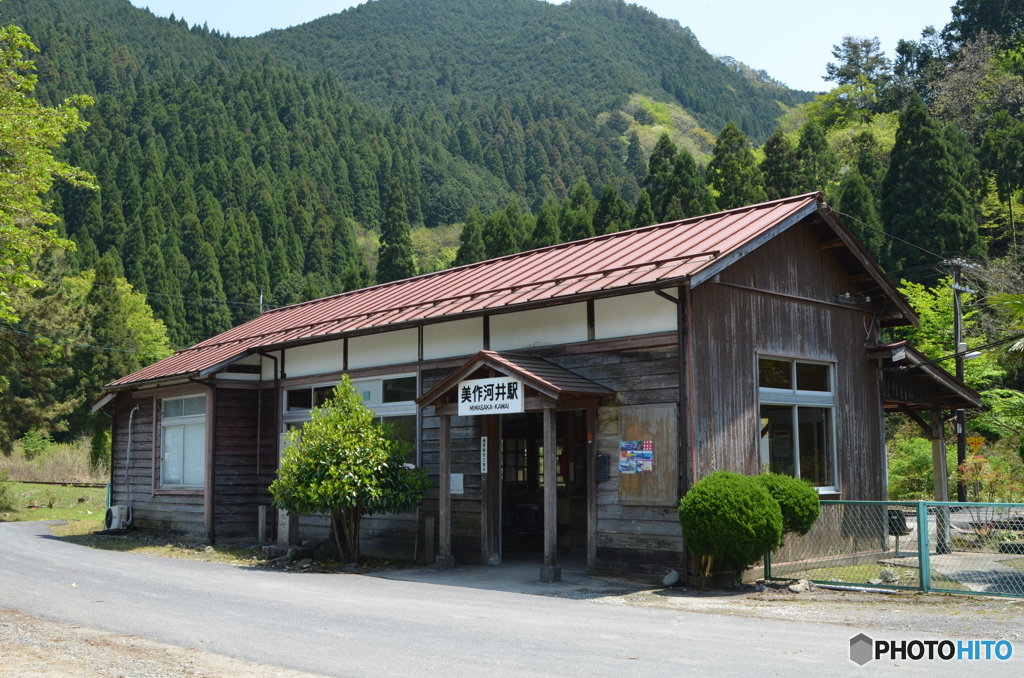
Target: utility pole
[961, 350]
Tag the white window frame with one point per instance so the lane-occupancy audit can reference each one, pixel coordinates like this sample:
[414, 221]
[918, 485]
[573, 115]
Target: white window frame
[183, 421]
[380, 409]
[796, 399]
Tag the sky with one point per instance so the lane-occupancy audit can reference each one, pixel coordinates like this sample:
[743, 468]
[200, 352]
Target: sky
[791, 39]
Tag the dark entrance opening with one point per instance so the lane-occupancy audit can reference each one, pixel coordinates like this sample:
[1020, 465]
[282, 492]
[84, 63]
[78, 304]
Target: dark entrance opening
[522, 482]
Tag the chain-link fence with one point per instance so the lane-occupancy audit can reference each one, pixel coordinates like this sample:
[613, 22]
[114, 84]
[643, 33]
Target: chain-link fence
[925, 546]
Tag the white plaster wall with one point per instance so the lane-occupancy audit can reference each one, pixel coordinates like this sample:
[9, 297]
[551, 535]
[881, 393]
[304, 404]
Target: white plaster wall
[633, 314]
[386, 348]
[539, 327]
[303, 361]
[457, 338]
[267, 370]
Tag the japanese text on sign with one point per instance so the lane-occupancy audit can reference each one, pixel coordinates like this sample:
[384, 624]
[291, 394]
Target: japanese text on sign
[500, 395]
[636, 456]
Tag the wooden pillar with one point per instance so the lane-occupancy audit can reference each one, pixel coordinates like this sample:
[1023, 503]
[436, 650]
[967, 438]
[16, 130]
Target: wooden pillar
[550, 572]
[445, 560]
[210, 463]
[591, 486]
[941, 482]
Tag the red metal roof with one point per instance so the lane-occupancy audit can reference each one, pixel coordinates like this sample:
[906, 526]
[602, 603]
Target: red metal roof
[639, 258]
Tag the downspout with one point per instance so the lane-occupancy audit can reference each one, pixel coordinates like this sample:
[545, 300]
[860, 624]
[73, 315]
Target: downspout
[209, 504]
[127, 462]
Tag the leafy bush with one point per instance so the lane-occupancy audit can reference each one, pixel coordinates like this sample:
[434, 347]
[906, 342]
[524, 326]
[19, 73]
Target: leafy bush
[6, 500]
[797, 499]
[343, 464]
[34, 444]
[732, 517]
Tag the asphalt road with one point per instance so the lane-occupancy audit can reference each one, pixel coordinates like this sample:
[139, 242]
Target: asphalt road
[351, 625]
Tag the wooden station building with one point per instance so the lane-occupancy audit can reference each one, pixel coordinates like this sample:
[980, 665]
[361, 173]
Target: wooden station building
[639, 362]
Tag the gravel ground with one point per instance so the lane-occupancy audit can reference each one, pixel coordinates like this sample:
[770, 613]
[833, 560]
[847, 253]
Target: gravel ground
[952, 616]
[34, 648]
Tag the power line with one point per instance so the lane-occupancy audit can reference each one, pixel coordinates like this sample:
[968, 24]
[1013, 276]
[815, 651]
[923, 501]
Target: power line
[201, 300]
[71, 343]
[890, 235]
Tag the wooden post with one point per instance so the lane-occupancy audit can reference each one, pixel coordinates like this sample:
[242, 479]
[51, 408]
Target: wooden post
[445, 560]
[550, 572]
[261, 527]
[591, 486]
[428, 540]
[941, 483]
[210, 468]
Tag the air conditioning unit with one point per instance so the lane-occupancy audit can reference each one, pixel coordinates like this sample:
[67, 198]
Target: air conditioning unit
[118, 518]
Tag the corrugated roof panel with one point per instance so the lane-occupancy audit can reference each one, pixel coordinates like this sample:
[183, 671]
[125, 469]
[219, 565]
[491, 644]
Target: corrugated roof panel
[641, 256]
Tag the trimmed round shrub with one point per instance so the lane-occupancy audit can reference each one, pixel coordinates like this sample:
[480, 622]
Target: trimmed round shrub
[797, 498]
[732, 517]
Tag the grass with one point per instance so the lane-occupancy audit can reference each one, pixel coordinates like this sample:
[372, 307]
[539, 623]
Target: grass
[1016, 563]
[48, 461]
[55, 502]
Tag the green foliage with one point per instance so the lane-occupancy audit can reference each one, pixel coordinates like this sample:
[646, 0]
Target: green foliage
[924, 199]
[29, 134]
[612, 213]
[911, 470]
[99, 444]
[934, 337]
[797, 499]
[859, 206]
[731, 517]
[546, 232]
[817, 162]
[780, 167]
[395, 260]
[6, 495]
[343, 464]
[472, 248]
[733, 171]
[642, 213]
[33, 444]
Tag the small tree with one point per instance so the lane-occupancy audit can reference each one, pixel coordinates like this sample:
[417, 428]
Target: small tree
[344, 464]
[731, 517]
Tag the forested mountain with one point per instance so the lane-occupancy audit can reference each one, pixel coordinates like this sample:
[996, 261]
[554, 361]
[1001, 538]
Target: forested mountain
[593, 52]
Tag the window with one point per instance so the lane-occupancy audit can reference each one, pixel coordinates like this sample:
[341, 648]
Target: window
[392, 399]
[183, 442]
[797, 419]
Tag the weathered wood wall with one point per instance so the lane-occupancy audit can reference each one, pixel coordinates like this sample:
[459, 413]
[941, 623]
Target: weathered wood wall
[179, 512]
[731, 325]
[236, 486]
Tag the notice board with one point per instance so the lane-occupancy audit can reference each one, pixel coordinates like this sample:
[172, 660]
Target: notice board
[658, 426]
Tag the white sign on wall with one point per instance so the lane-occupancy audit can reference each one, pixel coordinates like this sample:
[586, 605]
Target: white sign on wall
[501, 395]
[483, 454]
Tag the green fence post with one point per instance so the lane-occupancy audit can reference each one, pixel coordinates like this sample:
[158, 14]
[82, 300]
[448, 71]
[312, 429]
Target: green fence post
[923, 557]
[767, 565]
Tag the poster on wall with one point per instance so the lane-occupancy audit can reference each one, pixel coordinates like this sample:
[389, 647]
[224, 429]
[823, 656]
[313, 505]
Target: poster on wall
[636, 456]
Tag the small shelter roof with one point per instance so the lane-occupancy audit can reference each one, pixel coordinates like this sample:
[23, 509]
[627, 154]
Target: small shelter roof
[952, 394]
[642, 259]
[546, 377]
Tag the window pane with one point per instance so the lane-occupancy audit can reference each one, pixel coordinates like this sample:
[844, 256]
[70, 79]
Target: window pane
[405, 431]
[816, 446]
[322, 394]
[170, 467]
[173, 408]
[300, 399]
[775, 373]
[399, 390]
[194, 454]
[812, 377]
[777, 438]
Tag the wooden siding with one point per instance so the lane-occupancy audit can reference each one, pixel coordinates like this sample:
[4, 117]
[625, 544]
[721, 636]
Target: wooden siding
[731, 325]
[236, 495]
[174, 512]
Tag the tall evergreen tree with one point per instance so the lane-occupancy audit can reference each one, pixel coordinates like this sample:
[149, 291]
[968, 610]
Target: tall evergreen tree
[859, 208]
[576, 221]
[733, 172]
[659, 179]
[687, 193]
[612, 213]
[780, 167]
[472, 248]
[205, 311]
[395, 255]
[546, 232]
[642, 213]
[505, 239]
[817, 161]
[635, 164]
[923, 199]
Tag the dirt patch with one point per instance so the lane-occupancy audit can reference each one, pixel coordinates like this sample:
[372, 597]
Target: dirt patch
[45, 649]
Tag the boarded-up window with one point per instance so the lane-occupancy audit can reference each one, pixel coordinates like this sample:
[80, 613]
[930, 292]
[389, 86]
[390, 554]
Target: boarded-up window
[660, 485]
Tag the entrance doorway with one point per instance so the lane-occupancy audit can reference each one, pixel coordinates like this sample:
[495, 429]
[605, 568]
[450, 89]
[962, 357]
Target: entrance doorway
[521, 440]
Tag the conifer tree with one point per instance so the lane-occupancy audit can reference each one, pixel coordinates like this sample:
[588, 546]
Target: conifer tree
[923, 198]
[859, 209]
[395, 256]
[205, 312]
[642, 214]
[505, 239]
[733, 172]
[546, 232]
[635, 164]
[612, 213]
[687, 193]
[817, 161]
[780, 167]
[472, 248]
[577, 218]
[658, 181]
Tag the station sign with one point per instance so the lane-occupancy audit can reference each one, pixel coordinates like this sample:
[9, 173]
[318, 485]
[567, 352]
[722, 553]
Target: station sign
[500, 395]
